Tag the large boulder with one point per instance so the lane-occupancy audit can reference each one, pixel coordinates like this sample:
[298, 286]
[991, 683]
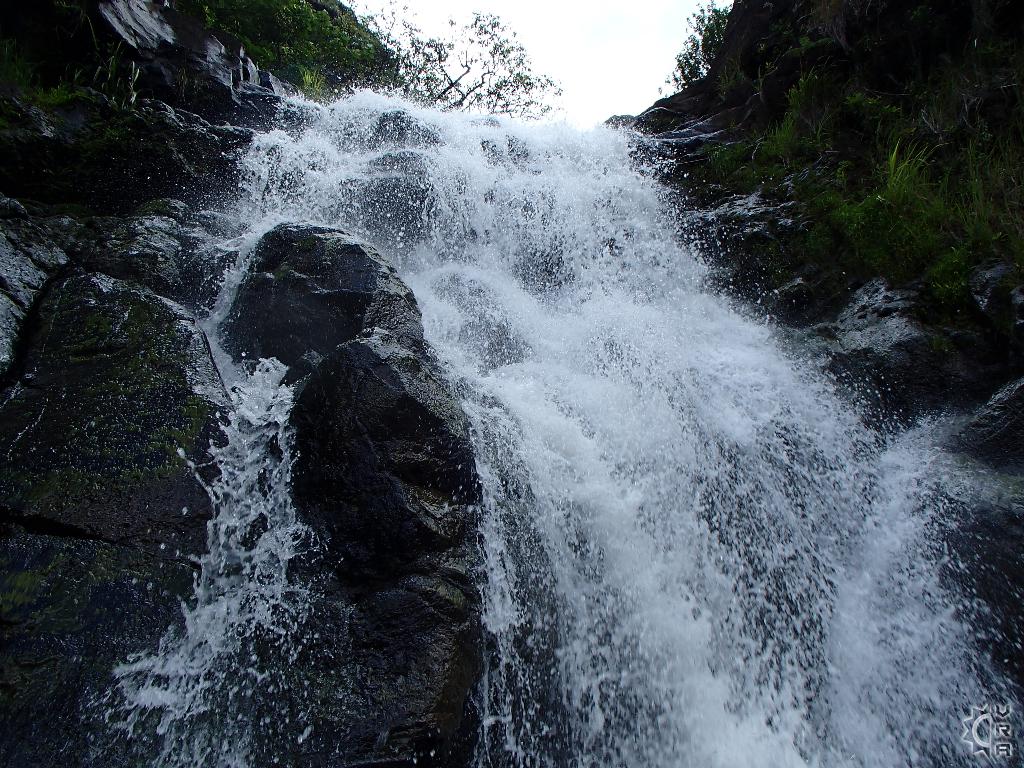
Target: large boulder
[183, 63]
[71, 609]
[995, 433]
[117, 397]
[164, 247]
[899, 366]
[385, 476]
[104, 435]
[385, 467]
[311, 289]
[30, 254]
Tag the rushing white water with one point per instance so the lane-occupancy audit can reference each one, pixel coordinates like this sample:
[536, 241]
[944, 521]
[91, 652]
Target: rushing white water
[696, 555]
[211, 694]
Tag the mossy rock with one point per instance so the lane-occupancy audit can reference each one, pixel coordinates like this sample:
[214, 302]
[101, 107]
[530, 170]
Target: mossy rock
[161, 247]
[70, 611]
[88, 152]
[117, 398]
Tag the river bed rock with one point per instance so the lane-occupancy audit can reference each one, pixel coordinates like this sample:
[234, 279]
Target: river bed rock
[115, 382]
[897, 365]
[311, 289]
[995, 433]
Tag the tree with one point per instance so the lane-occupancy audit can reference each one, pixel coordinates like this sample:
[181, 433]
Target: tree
[480, 67]
[707, 34]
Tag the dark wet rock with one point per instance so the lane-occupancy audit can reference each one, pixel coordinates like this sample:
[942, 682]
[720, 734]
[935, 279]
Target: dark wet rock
[71, 609]
[543, 269]
[989, 290]
[30, 254]
[92, 155]
[159, 248]
[406, 162]
[995, 434]
[1016, 320]
[398, 127]
[101, 514]
[12, 209]
[400, 487]
[899, 365]
[311, 289]
[745, 239]
[168, 208]
[796, 297]
[620, 121]
[116, 396]
[386, 477]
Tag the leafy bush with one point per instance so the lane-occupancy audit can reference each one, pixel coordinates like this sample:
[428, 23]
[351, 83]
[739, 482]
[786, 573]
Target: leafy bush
[295, 37]
[707, 33]
[921, 185]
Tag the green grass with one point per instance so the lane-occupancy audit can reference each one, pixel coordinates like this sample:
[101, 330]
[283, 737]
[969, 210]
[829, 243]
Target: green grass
[922, 186]
[14, 68]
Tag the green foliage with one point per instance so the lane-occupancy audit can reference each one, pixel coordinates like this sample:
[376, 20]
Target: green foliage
[730, 78]
[111, 78]
[921, 186]
[947, 279]
[707, 33]
[116, 81]
[56, 97]
[784, 142]
[292, 34]
[314, 85]
[14, 69]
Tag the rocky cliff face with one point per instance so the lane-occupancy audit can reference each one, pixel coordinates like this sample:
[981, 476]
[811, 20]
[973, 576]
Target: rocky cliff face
[789, 149]
[114, 406]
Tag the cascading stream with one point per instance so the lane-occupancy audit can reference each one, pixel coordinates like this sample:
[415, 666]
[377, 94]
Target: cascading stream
[212, 693]
[695, 554]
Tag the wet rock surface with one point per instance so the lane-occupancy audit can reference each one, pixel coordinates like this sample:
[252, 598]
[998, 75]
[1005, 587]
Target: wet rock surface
[385, 477]
[71, 610]
[899, 366]
[995, 433]
[90, 155]
[115, 382]
[112, 400]
[30, 254]
[311, 289]
[164, 247]
[176, 59]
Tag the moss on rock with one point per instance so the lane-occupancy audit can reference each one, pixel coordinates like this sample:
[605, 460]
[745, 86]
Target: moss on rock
[118, 397]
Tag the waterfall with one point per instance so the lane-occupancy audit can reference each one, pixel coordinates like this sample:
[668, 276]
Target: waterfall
[212, 693]
[695, 553]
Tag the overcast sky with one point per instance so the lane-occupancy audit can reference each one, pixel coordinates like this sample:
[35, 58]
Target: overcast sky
[609, 57]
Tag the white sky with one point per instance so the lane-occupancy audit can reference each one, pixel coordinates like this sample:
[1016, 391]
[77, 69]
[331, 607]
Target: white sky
[609, 57]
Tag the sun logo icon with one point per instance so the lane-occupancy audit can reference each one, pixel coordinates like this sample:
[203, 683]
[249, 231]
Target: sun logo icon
[988, 732]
